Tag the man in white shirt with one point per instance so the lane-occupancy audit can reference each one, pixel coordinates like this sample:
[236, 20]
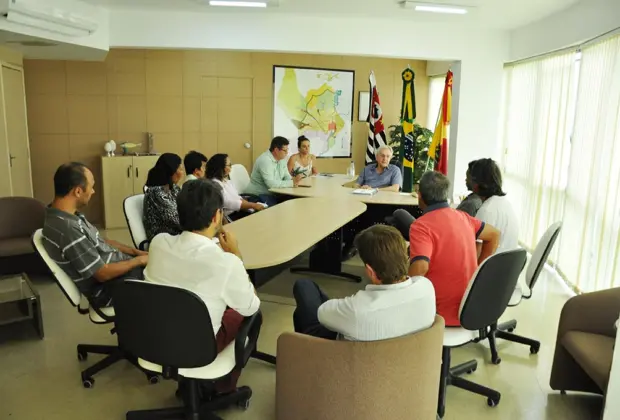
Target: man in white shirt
[193, 261]
[393, 305]
[485, 179]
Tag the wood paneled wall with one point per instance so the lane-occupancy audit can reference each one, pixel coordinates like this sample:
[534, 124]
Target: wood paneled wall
[74, 107]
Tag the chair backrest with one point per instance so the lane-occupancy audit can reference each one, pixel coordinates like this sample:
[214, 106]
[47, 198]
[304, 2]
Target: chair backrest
[133, 207]
[165, 325]
[491, 288]
[67, 285]
[239, 177]
[337, 379]
[20, 217]
[541, 253]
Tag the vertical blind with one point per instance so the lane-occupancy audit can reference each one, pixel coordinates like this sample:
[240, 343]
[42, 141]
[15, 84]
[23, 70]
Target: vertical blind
[588, 252]
[539, 97]
[561, 133]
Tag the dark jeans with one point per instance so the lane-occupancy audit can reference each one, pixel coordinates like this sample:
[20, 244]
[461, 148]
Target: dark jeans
[305, 318]
[269, 199]
[401, 220]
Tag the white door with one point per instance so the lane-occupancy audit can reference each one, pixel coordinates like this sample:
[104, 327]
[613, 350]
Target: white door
[17, 130]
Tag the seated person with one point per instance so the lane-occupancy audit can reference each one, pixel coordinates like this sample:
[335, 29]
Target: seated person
[443, 245]
[270, 171]
[393, 305]
[235, 207]
[160, 213]
[402, 219]
[381, 175]
[486, 180]
[195, 165]
[193, 261]
[302, 162]
[93, 263]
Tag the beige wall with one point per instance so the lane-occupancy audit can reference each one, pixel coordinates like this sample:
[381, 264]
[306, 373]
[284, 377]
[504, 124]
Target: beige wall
[75, 107]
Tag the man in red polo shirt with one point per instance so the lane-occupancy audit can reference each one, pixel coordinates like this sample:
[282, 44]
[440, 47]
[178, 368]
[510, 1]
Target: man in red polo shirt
[443, 245]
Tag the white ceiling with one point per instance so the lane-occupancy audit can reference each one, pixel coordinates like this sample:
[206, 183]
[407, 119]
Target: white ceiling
[500, 14]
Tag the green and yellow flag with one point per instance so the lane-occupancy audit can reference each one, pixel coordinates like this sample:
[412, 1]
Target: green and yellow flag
[407, 115]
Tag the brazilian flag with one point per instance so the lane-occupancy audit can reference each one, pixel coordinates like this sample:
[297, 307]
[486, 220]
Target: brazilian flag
[407, 115]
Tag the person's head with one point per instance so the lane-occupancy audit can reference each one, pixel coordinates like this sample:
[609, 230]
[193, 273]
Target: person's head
[219, 167]
[303, 145]
[433, 189]
[75, 183]
[200, 205]
[195, 164]
[167, 171]
[384, 253]
[279, 147]
[384, 155]
[484, 178]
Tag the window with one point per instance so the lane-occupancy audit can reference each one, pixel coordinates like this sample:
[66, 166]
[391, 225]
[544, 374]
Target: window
[435, 94]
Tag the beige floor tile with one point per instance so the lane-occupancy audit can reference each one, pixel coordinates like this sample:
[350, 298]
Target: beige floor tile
[39, 379]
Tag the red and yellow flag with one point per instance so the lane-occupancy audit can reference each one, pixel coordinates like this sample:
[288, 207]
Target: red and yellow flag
[439, 146]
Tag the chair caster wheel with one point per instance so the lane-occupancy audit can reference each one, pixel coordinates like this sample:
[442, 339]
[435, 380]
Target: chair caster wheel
[510, 330]
[82, 356]
[470, 371]
[88, 383]
[492, 402]
[496, 361]
[153, 379]
[534, 349]
[244, 404]
[562, 392]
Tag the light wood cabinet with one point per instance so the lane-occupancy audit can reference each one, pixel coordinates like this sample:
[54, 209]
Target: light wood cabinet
[123, 176]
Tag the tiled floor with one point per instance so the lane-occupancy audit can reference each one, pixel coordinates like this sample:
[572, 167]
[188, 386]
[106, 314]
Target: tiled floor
[39, 379]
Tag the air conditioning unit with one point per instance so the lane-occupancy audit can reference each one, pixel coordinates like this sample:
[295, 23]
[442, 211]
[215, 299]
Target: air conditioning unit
[48, 18]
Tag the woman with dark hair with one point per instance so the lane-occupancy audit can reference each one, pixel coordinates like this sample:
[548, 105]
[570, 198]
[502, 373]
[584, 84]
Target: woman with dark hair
[160, 212]
[303, 162]
[235, 206]
[485, 179]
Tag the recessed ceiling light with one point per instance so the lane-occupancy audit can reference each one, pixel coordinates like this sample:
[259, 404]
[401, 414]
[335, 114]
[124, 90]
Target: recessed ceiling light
[435, 8]
[237, 3]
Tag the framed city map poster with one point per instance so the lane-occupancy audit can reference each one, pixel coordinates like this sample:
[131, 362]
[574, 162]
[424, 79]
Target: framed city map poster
[316, 103]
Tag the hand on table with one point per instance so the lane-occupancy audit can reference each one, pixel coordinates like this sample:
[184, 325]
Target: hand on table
[297, 179]
[258, 207]
[138, 252]
[366, 187]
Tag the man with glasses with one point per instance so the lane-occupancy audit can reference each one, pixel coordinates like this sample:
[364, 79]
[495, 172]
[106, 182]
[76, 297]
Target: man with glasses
[270, 171]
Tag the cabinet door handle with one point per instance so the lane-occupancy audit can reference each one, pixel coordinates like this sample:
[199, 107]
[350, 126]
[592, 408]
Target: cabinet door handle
[136, 171]
[129, 171]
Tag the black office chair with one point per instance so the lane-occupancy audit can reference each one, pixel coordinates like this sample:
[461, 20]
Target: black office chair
[169, 329]
[485, 300]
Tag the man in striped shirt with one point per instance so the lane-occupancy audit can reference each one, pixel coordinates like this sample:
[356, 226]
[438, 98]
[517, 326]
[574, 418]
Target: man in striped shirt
[92, 262]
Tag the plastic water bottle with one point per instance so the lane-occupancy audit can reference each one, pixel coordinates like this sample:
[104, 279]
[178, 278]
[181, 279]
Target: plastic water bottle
[351, 171]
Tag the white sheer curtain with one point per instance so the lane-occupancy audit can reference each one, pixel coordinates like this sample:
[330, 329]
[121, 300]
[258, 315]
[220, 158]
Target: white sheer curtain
[538, 110]
[589, 246]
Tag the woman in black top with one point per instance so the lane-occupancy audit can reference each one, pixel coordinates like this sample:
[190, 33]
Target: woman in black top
[160, 214]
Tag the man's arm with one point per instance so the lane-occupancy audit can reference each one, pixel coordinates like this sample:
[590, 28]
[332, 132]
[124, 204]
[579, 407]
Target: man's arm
[490, 241]
[360, 179]
[267, 173]
[420, 249]
[239, 293]
[338, 315]
[124, 248]
[112, 271]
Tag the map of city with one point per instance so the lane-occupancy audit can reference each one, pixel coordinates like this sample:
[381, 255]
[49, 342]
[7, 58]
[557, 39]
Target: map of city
[317, 104]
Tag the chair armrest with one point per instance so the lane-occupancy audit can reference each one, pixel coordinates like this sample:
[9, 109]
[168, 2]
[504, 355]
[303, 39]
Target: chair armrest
[144, 245]
[245, 342]
[594, 313]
